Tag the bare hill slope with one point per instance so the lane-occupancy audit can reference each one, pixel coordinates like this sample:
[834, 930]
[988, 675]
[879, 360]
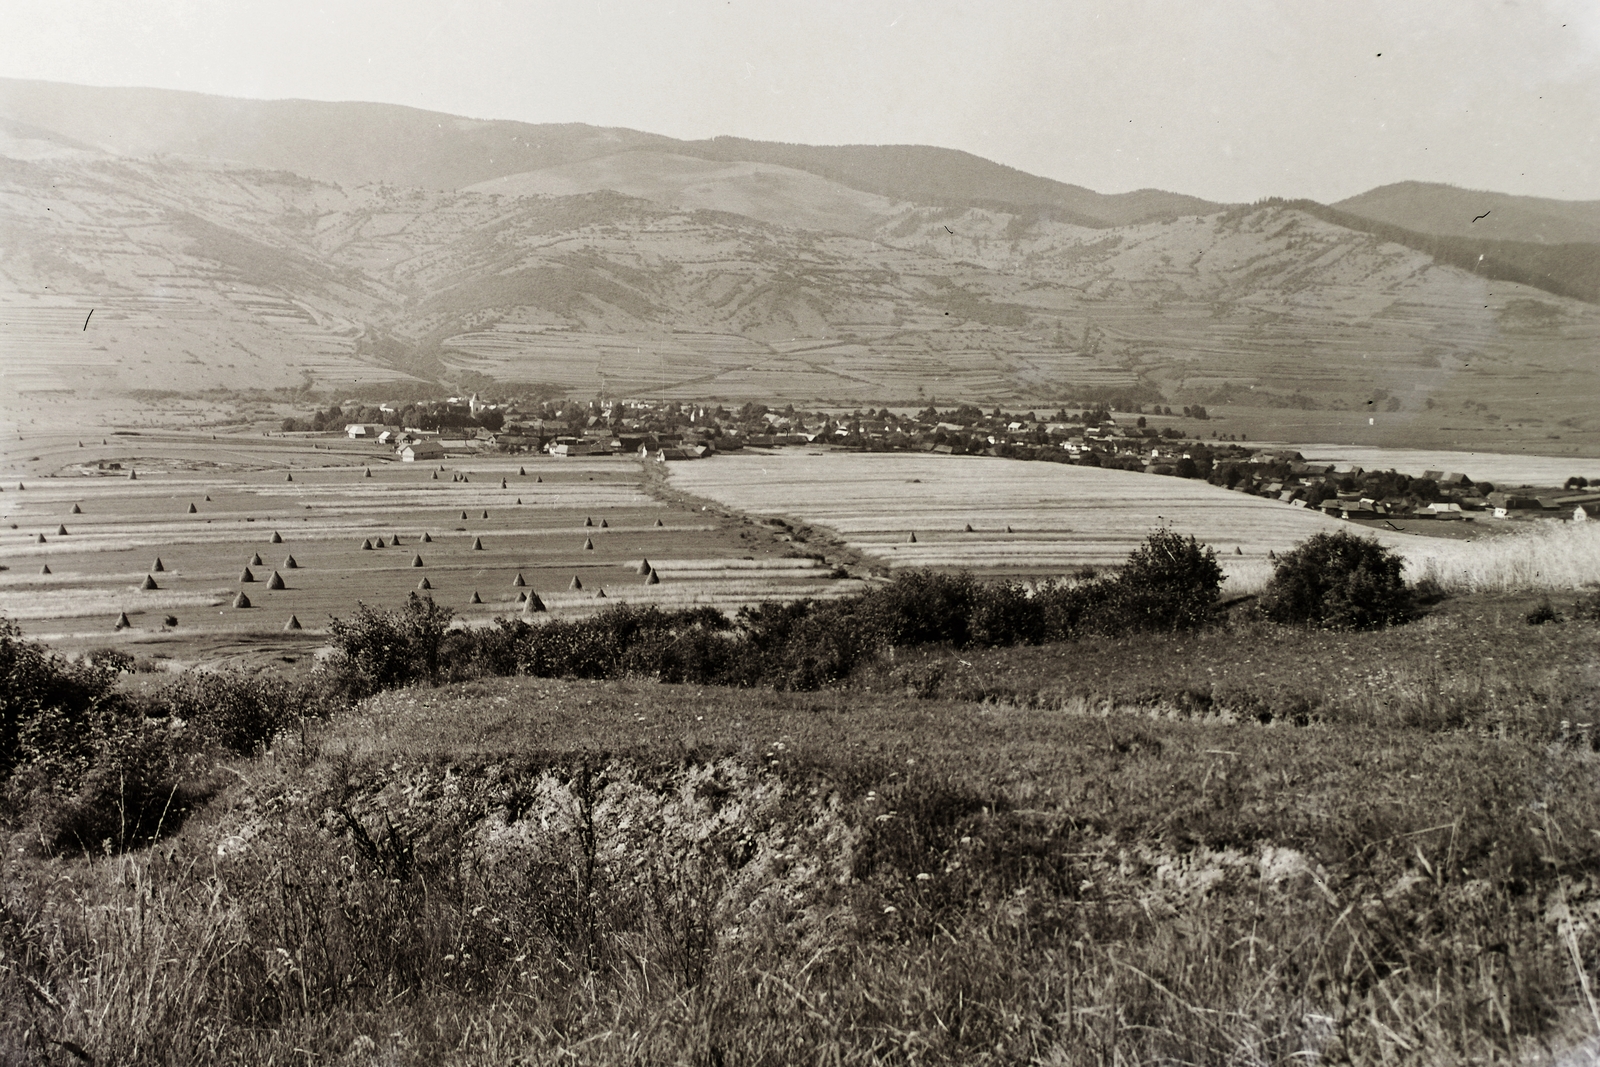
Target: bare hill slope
[1429, 207]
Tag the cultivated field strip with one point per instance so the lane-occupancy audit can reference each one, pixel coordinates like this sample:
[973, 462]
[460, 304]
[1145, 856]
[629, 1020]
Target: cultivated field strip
[354, 538]
[1059, 516]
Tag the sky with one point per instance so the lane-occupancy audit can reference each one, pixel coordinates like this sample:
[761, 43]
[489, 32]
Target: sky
[1231, 100]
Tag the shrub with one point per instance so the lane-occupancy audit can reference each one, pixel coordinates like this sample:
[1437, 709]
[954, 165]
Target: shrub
[386, 649]
[236, 712]
[1169, 583]
[1339, 581]
[35, 682]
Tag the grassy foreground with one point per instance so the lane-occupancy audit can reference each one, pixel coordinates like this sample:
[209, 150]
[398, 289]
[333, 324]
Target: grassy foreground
[1143, 849]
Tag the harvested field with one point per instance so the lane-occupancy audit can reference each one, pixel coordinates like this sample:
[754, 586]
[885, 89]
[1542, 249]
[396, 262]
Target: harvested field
[479, 539]
[1040, 519]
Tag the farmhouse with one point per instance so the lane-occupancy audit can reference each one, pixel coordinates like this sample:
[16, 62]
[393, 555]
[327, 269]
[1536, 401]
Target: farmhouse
[422, 450]
[362, 429]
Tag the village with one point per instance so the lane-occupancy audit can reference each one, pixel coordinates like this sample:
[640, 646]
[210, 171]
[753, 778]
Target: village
[1120, 434]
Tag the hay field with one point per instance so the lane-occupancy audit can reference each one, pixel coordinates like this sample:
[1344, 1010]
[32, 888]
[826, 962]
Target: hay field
[241, 489]
[1027, 519]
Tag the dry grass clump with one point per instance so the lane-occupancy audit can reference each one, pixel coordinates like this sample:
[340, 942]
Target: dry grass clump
[1544, 556]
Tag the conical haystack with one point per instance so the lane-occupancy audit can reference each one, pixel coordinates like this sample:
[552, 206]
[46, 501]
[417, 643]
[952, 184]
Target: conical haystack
[76, 510]
[208, 498]
[38, 539]
[255, 559]
[275, 539]
[289, 564]
[911, 538]
[45, 569]
[133, 476]
[192, 509]
[424, 584]
[534, 603]
[241, 601]
[601, 595]
[293, 623]
[502, 483]
[476, 599]
[366, 546]
[276, 581]
[538, 477]
[587, 521]
[416, 561]
[519, 500]
[644, 566]
[968, 528]
[1237, 551]
[576, 583]
[288, 478]
[426, 538]
[122, 621]
[246, 576]
[486, 514]
[518, 580]
[604, 525]
[149, 582]
[1008, 529]
[652, 579]
[588, 545]
[660, 523]
[522, 598]
[61, 531]
[158, 565]
[435, 475]
[464, 478]
[368, 473]
[463, 516]
[522, 471]
[477, 544]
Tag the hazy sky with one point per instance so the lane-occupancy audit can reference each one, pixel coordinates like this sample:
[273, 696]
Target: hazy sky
[1229, 100]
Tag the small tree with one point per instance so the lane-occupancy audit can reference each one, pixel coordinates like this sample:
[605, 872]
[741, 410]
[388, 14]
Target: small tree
[1339, 581]
[1169, 583]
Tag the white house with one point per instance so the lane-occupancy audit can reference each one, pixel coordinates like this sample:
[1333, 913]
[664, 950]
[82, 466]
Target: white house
[422, 450]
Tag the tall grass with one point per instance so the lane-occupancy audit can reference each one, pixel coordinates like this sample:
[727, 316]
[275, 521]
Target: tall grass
[1545, 556]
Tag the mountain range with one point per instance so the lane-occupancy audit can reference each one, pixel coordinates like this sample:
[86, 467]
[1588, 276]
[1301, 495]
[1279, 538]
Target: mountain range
[226, 243]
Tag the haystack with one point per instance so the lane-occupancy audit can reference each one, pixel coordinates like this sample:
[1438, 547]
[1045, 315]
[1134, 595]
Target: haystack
[255, 559]
[503, 483]
[76, 510]
[149, 582]
[122, 621]
[477, 544]
[368, 473]
[518, 579]
[288, 478]
[604, 525]
[463, 516]
[576, 583]
[61, 531]
[968, 528]
[911, 538]
[435, 475]
[486, 514]
[366, 546]
[133, 476]
[534, 603]
[158, 566]
[275, 539]
[522, 598]
[293, 623]
[289, 564]
[426, 538]
[519, 500]
[416, 561]
[476, 599]
[247, 576]
[587, 521]
[660, 523]
[192, 509]
[588, 544]
[424, 584]
[538, 477]
[38, 539]
[241, 601]
[600, 595]
[45, 569]
[276, 581]
[652, 579]
[644, 566]
[522, 471]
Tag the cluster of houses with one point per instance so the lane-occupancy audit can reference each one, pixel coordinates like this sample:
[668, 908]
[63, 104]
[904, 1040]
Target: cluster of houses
[670, 431]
